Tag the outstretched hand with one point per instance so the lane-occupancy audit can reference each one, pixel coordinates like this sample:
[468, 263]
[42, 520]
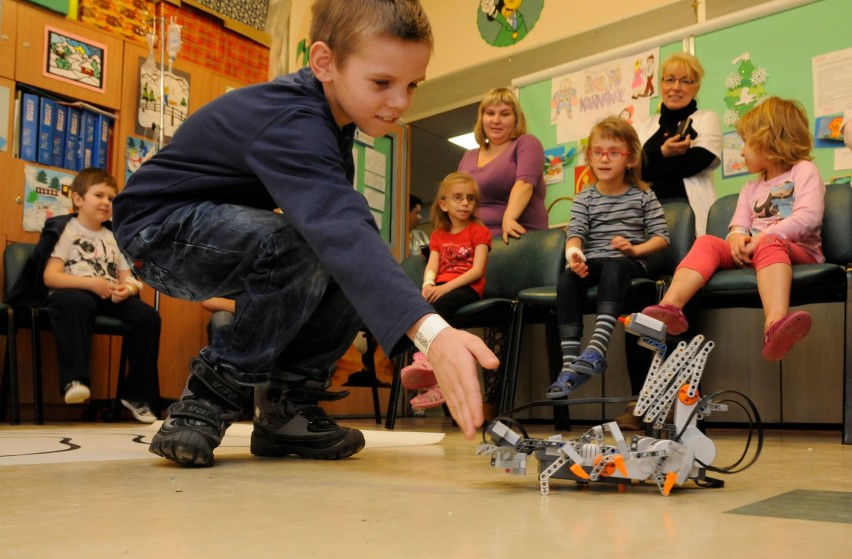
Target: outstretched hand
[453, 355]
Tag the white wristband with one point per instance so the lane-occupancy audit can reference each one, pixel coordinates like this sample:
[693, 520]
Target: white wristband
[572, 250]
[737, 230]
[430, 328]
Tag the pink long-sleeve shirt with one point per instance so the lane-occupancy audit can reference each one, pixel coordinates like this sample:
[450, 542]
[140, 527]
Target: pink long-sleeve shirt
[790, 206]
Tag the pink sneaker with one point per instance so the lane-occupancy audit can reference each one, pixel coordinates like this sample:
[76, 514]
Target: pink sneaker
[419, 374]
[782, 334]
[431, 397]
[670, 315]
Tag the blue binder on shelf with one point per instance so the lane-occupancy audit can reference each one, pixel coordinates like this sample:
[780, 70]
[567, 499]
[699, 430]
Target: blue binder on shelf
[29, 126]
[87, 139]
[72, 139]
[60, 117]
[101, 141]
[46, 122]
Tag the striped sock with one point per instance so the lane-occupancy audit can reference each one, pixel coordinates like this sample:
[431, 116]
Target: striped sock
[604, 326]
[570, 350]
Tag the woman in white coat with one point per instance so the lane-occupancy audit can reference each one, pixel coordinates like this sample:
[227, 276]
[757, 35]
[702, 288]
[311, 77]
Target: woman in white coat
[680, 165]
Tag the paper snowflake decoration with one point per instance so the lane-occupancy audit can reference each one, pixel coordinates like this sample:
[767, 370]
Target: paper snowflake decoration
[731, 117]
[733, 80]
[759, 76]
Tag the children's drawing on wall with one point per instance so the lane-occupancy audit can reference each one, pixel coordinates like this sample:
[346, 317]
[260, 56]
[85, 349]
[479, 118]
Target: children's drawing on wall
[5, 99]
[503, 23]
[174, 96]
[746, 88]
[74, 59]
[582, 177]
[562, 100]
[827, 132]
[554, 165]
[733, 163]
[618, 87]
[643, 77]
[46, 194]
[139, 150]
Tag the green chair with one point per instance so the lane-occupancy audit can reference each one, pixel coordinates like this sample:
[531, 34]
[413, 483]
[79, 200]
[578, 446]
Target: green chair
[830, 282]
[530, 261]
[540, 302]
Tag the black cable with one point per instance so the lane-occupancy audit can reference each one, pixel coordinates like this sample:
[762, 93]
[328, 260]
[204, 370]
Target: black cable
[754, 426]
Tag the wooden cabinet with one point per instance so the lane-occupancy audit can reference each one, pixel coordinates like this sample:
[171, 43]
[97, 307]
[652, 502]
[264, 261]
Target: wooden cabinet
[22, 60]
[8, 27]
[31, 55]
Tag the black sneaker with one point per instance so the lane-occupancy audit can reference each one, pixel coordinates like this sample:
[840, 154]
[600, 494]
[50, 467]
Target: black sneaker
[196, 424]
[191, 431]
[303, 430]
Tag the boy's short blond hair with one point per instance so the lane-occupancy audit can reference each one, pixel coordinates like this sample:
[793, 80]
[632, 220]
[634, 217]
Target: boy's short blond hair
[778, 129]
[343, 24]
[89, 177]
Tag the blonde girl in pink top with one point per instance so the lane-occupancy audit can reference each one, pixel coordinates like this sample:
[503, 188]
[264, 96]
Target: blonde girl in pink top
[777, 223]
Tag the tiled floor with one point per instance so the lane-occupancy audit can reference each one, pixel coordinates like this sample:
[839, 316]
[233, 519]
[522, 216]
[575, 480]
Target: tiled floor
[433, 500]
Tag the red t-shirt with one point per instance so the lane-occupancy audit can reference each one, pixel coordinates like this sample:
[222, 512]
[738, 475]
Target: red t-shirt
[456, 251]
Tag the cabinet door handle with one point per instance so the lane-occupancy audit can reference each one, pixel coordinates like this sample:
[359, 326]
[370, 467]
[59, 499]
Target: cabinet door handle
[26, 44]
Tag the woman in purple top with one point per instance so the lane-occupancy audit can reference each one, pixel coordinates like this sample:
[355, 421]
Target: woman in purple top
[508, 166]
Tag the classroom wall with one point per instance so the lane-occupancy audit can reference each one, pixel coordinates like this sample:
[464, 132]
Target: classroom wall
[783, 44]
[459, 46]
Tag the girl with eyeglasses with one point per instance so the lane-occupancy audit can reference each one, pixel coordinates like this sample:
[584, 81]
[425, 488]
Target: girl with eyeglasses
[680, 166]
[455, 272]
[616, 222]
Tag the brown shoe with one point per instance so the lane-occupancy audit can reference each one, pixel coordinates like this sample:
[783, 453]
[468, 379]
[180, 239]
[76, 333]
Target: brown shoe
[629, 422]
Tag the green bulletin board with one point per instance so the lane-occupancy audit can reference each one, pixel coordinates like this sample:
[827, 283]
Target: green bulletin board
[783, 44]
[369, 183]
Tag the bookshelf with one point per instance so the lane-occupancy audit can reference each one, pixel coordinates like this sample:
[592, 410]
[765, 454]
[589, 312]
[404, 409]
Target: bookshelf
[22, 56]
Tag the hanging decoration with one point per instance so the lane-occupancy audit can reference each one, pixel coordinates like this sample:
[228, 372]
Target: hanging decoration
[746, 88]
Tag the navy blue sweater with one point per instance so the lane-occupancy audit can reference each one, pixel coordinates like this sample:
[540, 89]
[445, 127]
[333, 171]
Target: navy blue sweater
[276, 145]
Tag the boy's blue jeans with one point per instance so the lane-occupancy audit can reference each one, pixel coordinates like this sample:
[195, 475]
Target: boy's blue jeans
[292, 320]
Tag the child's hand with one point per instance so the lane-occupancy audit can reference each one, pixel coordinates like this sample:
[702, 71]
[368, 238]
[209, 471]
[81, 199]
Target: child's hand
[454, 355]
[741, 248]
[675, 146]
[622, 245]
[120, 293]
[434, 292]
[578, 265]
[100, 287]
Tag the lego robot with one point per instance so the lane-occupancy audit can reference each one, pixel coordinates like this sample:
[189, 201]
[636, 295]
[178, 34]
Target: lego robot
[682, 453]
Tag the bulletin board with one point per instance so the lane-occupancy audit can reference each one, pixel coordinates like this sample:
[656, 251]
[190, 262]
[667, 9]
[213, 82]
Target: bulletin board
[782, 44]
[375, 179]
